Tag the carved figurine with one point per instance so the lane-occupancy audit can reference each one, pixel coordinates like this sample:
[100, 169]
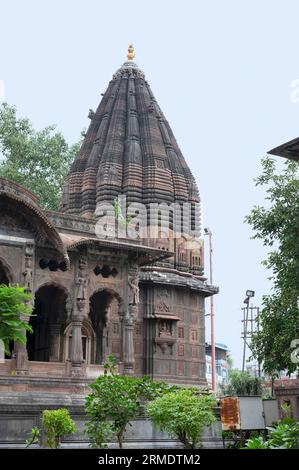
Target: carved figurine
[27, 273]
[164, 329]
[134, 290]
[82, 281]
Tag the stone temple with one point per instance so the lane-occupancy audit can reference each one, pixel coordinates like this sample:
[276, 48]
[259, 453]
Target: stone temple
[138, 292]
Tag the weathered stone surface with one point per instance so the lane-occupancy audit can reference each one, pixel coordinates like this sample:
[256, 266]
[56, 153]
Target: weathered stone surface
[129, 149]
[141, 300]
[19, 412]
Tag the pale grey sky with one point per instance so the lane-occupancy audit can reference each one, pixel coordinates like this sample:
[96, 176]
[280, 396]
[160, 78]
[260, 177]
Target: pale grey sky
[221, 72]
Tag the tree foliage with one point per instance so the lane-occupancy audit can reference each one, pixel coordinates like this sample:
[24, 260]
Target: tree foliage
[183, 414]
[13, 308]
[117, 399]
[277, 225]
[38, 160]
[55, 425]
[242, 383]
[285, 435]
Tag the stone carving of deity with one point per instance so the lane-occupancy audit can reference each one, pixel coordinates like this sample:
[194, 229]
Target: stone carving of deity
[82, 281]
[69, 307]
[133, 290]
[164, 329]
[27, 273]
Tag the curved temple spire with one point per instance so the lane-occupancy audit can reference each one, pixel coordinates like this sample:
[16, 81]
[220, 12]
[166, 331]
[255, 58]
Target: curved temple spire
[129, 149]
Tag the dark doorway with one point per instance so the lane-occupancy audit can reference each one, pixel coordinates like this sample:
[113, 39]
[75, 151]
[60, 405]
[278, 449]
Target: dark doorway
[48, 323]
[105, 320]
[5, 281]
[3, 276]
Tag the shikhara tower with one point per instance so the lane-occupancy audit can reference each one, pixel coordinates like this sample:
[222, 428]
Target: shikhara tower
[141, 299]
[129, 149]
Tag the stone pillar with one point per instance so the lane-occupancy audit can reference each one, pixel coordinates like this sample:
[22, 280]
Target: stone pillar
[130, 318]
[79, 313]
[21, 354]
[121, 313]
[55, 330]
[20, 350]
[76, 355]
[129, 324]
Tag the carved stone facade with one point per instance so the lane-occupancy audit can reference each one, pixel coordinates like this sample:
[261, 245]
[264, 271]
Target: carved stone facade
[142, 299]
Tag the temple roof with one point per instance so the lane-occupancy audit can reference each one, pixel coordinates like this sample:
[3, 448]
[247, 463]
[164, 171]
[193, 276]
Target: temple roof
[288, 150]
[13, 195]
[129, 148]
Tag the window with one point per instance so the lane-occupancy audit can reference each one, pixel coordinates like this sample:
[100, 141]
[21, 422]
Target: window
[194, 335]
[181, 332]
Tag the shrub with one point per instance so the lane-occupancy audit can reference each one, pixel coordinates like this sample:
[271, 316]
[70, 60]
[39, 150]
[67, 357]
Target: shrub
[55, 425]
[116, 400]
[285, 435]
[242, 383]
[183, 414]
[13, 307]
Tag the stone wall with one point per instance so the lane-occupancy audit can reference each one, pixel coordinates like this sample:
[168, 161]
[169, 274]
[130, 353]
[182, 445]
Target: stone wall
[19, 412]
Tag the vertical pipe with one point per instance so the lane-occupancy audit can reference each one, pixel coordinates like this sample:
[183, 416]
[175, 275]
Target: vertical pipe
[245, 335]
[213, 355]
[258, 330]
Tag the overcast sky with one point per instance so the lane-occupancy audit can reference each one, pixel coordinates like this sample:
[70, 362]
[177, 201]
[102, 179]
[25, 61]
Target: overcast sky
[222, 73]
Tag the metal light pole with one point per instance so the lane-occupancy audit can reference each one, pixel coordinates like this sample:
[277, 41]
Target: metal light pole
[249, 295]
[213, 355]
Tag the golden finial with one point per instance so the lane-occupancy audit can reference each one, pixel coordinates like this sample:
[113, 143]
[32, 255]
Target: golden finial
[131, 53]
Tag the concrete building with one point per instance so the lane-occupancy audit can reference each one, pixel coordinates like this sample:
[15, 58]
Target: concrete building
[221, 360]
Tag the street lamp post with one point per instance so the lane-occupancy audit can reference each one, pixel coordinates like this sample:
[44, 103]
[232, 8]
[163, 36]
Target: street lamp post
[249, 295]
[208, 232]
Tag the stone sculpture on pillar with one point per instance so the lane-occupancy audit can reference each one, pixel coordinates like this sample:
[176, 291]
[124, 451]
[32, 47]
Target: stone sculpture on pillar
[27, 273]
[79, 313]
[133, 289]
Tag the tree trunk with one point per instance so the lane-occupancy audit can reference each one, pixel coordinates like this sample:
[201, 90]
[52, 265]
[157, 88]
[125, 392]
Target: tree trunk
[120, 438]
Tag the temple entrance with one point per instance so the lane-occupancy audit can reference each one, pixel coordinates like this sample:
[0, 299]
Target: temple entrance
[48, 323]
[3, 275]
[5, 280]
[104, 316]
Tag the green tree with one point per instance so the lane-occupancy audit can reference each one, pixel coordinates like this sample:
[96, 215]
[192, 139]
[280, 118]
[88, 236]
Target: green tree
[277, 225]
[13, 307]
[242, 383]
[38, 160]
[183, 414]
[55, 425]
[117, 399]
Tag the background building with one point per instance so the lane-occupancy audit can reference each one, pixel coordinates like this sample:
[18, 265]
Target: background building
[222, 364]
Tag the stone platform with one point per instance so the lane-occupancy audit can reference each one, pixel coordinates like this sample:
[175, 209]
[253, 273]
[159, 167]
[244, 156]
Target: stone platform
[20, 411]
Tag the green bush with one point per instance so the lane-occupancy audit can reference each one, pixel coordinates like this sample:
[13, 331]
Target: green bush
[99, 433]
[13, 307]
[285, 435]
[55, 425]
[183, 414]
[116, 400]
[242, 383]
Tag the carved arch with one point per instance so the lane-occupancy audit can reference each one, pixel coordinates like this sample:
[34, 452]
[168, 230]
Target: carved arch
[8, 271]
[33, 213]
